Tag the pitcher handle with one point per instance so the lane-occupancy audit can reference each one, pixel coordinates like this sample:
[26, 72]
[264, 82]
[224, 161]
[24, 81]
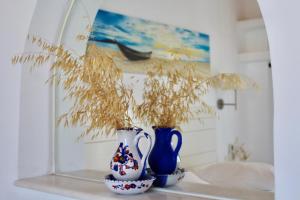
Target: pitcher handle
[179, 141]
[136, 141]
[138, 130]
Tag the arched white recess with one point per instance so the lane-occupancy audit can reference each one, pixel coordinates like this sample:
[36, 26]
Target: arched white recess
[281, 18]
[35, 110]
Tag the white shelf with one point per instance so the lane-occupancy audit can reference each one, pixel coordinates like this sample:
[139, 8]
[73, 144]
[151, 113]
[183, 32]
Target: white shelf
[250, 24]
[90, 190]
[254, 57]
[81, 188]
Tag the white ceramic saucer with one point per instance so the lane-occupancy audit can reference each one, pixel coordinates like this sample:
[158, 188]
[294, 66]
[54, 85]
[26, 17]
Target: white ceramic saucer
[129, 187]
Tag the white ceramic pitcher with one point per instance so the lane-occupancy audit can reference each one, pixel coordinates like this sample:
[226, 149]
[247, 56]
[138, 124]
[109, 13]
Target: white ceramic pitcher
[128, 163]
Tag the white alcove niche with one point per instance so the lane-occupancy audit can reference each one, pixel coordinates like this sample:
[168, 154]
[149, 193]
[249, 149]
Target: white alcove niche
[35, 152]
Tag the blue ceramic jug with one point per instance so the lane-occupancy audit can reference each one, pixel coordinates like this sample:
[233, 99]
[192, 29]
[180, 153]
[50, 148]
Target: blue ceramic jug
[163, 158]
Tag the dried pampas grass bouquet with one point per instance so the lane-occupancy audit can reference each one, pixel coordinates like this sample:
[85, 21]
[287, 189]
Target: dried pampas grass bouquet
[174, 95]
[169, 96]
[103, 103]
[94, 83]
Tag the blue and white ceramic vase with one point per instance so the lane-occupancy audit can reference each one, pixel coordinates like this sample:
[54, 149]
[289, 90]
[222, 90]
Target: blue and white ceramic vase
[128, 164]
[163, 158]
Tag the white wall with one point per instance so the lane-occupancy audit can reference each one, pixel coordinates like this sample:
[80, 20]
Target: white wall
[227, 128]
[281, 18]
[255, 108]
[12, 37]
[14, 22]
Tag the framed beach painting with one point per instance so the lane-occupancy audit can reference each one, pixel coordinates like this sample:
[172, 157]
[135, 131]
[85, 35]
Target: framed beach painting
[138, 44]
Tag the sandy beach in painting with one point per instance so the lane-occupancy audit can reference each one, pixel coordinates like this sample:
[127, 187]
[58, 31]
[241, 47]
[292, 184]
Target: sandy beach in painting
[140, 67]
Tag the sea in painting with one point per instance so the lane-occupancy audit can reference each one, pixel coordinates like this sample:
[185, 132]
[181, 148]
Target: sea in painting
[138, 44]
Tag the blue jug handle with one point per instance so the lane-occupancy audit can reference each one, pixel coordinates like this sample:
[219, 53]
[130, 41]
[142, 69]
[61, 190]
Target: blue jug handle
[179, 141]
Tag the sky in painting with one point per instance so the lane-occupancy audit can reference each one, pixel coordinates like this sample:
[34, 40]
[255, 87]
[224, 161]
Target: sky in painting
[163, 40]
